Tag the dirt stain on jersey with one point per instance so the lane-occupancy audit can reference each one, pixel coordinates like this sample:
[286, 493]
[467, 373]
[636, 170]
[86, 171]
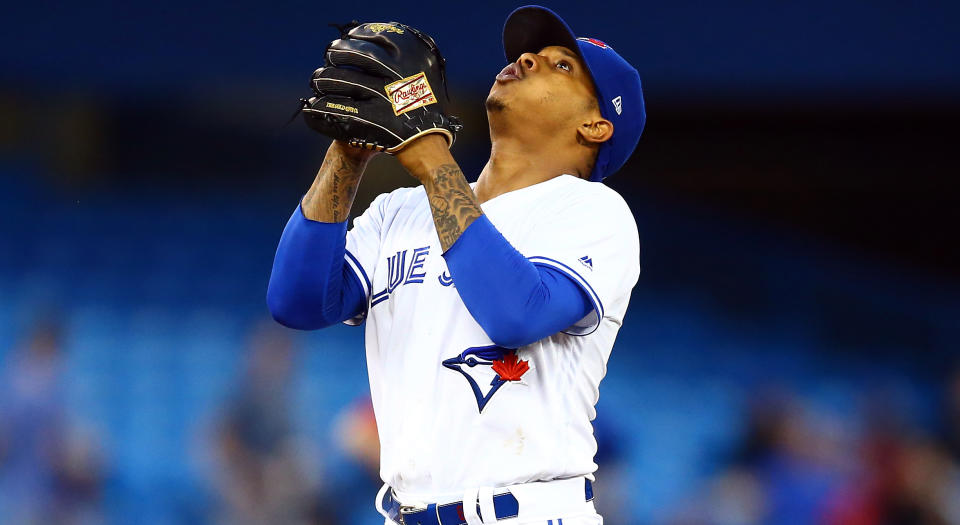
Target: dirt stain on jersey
[516, 442]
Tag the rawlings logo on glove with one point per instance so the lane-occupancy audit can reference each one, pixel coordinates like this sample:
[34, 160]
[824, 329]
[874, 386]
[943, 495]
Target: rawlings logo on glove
[375, 89]
[410, 93]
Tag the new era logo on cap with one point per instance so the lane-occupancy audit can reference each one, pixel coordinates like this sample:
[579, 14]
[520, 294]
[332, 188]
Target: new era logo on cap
[618, 104]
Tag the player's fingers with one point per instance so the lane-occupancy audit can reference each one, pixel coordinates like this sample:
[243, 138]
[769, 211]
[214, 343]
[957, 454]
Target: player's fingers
[347, 83]
[348, 119]
[365, 56]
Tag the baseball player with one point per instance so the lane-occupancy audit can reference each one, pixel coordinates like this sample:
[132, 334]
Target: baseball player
[490, 308]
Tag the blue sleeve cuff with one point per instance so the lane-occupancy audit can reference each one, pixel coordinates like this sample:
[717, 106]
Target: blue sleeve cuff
[591, 320]
[312, 285]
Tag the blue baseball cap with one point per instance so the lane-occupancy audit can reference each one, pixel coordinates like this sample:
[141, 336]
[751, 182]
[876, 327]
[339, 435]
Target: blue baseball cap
[531, 28]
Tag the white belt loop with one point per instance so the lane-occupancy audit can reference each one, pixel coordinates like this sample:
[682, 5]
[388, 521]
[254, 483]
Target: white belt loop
[541, 501]
[470, 507]
[379, 502]
[487, 512]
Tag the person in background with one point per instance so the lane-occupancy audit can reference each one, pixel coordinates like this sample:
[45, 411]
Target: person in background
[261, 476]
[50, 472]
[356, 437]
[612, 499]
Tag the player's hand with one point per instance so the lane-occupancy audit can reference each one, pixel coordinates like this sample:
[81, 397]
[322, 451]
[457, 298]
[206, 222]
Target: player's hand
[424, 157]
[357, 155]
[379, 89]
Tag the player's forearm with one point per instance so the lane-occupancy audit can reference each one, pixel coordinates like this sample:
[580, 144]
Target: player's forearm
[453, 203]
[331, 195]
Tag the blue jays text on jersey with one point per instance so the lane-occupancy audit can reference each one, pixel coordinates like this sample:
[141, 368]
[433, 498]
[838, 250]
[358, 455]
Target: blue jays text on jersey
[398, 273]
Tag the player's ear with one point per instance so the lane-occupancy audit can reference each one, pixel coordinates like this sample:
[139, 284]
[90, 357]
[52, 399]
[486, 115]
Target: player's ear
[595, 131]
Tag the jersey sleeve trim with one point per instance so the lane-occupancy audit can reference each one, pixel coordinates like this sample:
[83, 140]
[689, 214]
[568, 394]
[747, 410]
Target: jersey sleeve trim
[358, 270]
[580, 328]
[358, 319]
[360, 276]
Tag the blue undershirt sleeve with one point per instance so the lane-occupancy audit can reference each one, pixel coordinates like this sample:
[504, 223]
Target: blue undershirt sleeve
[311, 286]
[513, 300]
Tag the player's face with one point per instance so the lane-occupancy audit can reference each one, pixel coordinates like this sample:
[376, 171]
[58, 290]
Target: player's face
[552, 86]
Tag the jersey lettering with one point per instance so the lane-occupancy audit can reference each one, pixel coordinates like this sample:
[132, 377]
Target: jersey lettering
[398, 273]
[419, 256]
[445, 279]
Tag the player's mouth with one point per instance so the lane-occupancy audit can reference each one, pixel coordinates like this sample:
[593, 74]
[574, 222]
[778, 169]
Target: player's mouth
[511, 72]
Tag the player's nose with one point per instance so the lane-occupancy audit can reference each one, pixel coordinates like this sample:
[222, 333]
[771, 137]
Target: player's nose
[528, 62]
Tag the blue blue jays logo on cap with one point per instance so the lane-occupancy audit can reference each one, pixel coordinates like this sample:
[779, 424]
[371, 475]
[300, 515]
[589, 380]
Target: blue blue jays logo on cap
[503, 361]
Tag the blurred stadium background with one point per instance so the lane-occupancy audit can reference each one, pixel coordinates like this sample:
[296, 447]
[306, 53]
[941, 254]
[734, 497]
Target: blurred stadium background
[789, 356]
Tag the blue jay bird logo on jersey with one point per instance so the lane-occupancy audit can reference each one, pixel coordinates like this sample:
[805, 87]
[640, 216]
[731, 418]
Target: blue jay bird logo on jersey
[503, 361]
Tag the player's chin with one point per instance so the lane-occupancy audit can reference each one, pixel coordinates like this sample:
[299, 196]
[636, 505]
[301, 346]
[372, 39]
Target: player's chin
[495, 103]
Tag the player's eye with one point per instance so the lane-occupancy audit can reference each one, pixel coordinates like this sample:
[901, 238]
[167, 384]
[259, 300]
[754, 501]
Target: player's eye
[564, 65]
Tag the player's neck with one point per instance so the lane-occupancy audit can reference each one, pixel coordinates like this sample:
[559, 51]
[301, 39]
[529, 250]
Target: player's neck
[513, 166]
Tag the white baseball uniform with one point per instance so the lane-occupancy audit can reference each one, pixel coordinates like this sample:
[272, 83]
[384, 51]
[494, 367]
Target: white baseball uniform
[451, 418]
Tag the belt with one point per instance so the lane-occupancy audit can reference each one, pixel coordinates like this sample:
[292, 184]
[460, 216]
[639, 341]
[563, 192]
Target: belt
[505, 506]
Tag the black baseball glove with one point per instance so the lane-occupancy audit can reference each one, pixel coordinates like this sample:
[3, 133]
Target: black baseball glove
[380, 88]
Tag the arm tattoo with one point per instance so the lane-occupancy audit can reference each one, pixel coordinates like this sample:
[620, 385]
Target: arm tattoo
[453, 202]
[330, 197]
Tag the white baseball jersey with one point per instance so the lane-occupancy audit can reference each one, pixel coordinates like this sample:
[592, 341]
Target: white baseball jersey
[454, 411]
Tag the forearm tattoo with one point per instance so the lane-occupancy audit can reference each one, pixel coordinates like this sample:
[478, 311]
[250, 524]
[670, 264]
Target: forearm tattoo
[330, 197]
[453, 202]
